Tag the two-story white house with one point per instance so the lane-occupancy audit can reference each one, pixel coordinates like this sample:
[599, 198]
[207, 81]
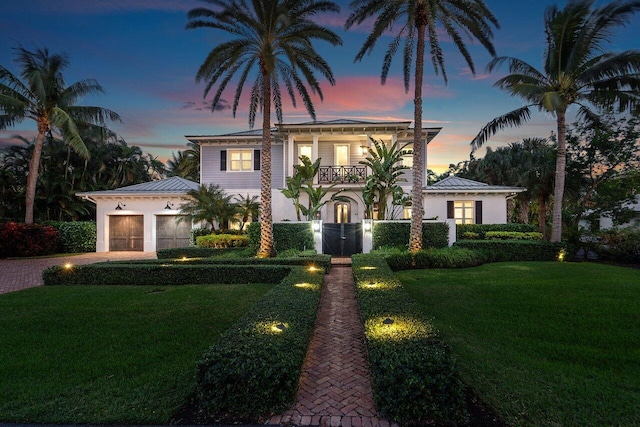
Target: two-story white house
[233, 162]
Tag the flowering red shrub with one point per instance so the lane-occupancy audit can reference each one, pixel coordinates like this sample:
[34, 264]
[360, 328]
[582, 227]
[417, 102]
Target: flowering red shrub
[20, 240]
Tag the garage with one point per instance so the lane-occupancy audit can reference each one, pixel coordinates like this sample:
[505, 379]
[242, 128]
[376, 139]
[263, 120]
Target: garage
[126, 233]
[172, 231]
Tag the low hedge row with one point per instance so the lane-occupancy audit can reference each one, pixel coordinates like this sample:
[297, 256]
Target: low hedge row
[112, 273]
[253, 370]
[513, 235]
[222, 241]
[414, 376]
[396, 234]
[320, 261]
[195, 252]
[25, 240]
[454, 257]
[75, 236]
[514, 250]
[482, 229]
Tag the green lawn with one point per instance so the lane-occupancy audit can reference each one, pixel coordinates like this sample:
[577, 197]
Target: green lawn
[109, 355]
[543, 343]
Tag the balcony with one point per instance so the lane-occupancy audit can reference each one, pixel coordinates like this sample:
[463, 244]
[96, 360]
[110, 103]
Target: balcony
[341, 174]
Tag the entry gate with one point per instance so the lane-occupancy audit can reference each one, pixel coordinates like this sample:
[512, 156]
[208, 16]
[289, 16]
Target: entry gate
[342, 239]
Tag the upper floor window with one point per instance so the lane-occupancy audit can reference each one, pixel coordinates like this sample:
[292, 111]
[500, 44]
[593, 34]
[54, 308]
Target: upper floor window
[305, 150]
[240, 160]
[341, 155]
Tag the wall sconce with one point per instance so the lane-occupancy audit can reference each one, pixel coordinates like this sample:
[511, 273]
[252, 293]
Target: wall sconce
[120, 206]
[169, 205]
[368, 224]
[316, 225]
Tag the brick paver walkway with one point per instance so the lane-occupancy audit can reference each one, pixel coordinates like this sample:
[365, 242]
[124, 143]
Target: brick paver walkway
[17, 274]
[335, 388]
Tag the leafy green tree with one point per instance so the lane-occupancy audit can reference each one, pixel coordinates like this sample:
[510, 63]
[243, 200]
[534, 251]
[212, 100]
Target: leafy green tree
[273, 39]
[43, 96]
[603, 170]
[422, 23]
[186, 163]
[387, 171]
[577, 70]
[293, 191]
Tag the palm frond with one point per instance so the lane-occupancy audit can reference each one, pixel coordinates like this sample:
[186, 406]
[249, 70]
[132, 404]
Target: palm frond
[513, 118]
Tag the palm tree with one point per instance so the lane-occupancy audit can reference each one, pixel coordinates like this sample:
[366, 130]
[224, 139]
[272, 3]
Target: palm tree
[43, 96]
[577, 70]
[208, 203]
[186, 163]
[421, 22]
[248, 209]
[273, 39]
[387, 171]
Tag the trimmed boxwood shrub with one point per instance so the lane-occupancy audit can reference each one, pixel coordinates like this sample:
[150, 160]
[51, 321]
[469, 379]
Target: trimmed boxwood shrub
[514, 250]
[253, 370]
[198, 231]
[25, 240]
[481, 229]
[112, 273]
[454, 257]
[396, 234]
[222, 241]
[76, 236]
[196, 252]
[320, 261]
[512, 235]
[286, 235]
[415, 381]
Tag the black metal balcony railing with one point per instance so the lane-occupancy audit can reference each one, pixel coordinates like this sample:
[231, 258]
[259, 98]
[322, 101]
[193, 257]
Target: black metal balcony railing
[341, 174]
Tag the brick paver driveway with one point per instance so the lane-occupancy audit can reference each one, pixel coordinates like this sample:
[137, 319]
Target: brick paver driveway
[17, 274]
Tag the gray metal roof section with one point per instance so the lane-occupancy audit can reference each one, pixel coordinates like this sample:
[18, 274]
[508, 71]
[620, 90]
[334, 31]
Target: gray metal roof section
[457, 184]
[174, 185]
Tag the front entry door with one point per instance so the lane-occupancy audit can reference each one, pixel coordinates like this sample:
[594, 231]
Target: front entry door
[342, 239]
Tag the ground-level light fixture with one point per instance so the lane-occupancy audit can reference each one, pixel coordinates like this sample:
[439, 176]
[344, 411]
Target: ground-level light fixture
[280, 327]
[387, 321]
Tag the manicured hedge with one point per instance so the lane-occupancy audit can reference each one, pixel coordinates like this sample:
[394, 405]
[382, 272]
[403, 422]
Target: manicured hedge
[253, 370]
[514, 250]
[112, 273]
[75, 236]
[481, 229]
[414, 377]
[320, 261]
[454, 257]
[25, 240]
[286, 235]
[195, 252]
[222, 241]
[513, 235]
[396, 234]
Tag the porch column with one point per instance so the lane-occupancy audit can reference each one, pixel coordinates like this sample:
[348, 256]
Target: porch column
[290, 149]
[314, 154]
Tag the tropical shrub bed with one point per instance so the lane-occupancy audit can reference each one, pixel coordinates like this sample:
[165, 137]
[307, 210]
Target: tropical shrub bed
[480, 230]
[514, 250]
[286, 235]
[619, 245]
[396, 234]
[75, 236]
[222, 241]
[253, 370]
[453, 257]
[24, 240]
[111, 273]
[414, 376]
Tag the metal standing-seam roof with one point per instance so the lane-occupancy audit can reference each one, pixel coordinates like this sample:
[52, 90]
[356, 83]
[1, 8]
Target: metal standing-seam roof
[170, 186]
[454, 184]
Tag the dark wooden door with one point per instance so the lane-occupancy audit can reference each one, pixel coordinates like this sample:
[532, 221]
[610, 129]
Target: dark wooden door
[126, 233]
[342, 239]
[171, 232]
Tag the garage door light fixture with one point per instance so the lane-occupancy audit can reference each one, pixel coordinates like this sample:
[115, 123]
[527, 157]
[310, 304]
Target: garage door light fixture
[169, 205]
[120, 206]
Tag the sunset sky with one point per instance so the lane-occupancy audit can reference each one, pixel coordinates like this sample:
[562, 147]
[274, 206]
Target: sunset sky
[140, 52]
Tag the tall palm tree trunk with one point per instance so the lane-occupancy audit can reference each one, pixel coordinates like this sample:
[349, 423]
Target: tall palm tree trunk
[415, 236]
[561, 162]
[542, 215]
[32, 176]
[266, 220]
